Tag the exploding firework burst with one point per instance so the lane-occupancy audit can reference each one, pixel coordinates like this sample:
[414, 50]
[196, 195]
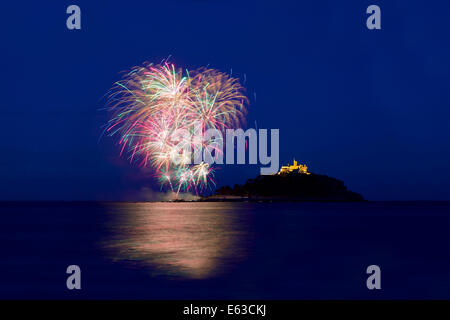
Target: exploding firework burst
[154, 102]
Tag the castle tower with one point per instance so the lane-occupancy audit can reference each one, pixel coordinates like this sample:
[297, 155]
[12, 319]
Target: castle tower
[302, 168]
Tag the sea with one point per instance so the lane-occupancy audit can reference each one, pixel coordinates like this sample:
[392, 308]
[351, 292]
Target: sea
[225, 250]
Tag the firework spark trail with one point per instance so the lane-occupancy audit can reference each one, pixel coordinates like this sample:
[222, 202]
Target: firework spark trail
[154, 102]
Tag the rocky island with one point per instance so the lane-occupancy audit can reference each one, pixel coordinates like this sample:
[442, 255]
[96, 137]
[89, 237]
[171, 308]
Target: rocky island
[291, 183]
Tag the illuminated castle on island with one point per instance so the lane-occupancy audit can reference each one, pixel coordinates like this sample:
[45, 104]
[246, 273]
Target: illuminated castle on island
[302, 168]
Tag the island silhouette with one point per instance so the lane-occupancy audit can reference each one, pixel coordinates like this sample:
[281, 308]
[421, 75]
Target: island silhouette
[291, 183]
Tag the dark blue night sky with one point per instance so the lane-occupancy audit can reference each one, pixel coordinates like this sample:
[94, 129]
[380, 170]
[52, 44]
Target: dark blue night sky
[369, 107]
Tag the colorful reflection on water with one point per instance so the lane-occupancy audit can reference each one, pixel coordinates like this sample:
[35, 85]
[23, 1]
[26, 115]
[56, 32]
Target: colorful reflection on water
[192, 240]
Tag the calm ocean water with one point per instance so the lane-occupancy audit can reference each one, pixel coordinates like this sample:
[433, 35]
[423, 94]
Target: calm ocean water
[225, 250]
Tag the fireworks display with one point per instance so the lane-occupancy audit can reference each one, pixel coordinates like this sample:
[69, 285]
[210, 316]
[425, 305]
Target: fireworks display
[155, 101]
